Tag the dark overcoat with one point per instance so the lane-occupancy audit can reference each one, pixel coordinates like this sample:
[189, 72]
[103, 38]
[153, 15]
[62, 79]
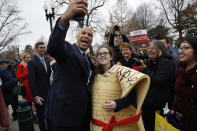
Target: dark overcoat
[69, 99]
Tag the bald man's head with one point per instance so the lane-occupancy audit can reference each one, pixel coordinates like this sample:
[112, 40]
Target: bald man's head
[84, 38]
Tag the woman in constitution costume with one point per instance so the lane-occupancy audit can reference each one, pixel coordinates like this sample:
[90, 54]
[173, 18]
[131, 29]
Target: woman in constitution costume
[118, 93]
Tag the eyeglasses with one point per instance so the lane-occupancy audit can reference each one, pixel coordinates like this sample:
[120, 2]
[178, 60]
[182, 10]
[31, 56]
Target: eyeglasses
[103, 54]
[184, 48]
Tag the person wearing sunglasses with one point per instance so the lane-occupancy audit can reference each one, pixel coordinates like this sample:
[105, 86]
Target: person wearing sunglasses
[185, 105]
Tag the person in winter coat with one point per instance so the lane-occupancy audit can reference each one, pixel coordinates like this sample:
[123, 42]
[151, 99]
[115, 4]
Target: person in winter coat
[22, 74]
[4, 122]
[185, 104]
[127, 59]
[116, 40]
[143, 54]
[8, 82]
[160, 70]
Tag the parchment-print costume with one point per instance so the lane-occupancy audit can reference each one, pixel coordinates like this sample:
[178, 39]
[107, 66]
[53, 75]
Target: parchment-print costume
[114, 84]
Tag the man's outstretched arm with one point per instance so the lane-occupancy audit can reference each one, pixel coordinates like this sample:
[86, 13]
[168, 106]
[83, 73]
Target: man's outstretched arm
[57, 47]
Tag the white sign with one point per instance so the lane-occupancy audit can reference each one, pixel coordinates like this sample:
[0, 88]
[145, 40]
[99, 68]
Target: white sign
[138, 32]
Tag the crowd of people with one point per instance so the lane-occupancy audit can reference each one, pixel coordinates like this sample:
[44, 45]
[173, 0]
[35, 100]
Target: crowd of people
[118, 90]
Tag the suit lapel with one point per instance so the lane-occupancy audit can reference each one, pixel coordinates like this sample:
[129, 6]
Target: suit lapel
[91, 64]
[82, 61]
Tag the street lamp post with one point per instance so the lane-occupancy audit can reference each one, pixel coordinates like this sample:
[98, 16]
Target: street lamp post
[17, 50]
[17, 59]
[107, 34]
[49, 15]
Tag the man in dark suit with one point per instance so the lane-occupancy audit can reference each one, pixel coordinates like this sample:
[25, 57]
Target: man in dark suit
[38, 75]
[69, 98]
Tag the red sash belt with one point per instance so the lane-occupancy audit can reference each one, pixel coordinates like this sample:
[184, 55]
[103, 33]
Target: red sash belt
[113, 122]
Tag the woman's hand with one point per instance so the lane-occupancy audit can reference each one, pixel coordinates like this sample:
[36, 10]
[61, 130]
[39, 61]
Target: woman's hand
[109, 106]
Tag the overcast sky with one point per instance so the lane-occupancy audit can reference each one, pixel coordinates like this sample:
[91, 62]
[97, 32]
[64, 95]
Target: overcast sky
[33, 13]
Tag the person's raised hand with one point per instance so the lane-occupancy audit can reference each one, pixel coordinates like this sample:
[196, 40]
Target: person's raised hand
[75, 7]
[120, 30]
[142, 66]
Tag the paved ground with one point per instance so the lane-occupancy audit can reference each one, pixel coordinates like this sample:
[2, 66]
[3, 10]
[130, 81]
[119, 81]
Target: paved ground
[14, 124]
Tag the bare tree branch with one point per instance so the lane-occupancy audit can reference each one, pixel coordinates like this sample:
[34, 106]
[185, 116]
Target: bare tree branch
[62, 2]
[173, 10]
[11, 25]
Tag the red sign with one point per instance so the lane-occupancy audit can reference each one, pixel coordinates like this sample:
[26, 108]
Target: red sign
[139, 36]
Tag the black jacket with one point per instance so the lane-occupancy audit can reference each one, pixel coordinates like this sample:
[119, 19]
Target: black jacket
[38, 78]
[69, 98]
[160, 71]
[130, 63]
[142, 56]
[8, 83]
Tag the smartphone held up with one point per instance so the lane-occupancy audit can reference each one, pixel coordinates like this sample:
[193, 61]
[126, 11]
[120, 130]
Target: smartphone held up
[79, 17]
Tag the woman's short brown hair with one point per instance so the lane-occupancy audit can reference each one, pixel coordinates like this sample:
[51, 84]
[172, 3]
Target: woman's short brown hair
[126, 45]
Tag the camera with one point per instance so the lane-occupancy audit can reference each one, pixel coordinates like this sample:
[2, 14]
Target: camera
[116, 28]
[146, 61]
[139, 61]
